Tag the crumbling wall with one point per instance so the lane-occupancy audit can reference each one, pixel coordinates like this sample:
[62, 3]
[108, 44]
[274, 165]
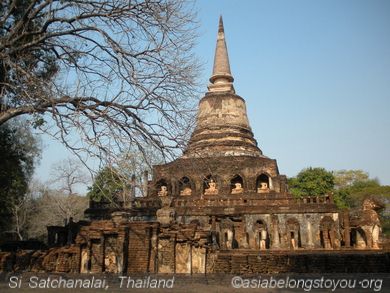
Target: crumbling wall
[140, 247]
[101, 246]
[225, 244]
[236, 262]
[63, 260]
[182, 248]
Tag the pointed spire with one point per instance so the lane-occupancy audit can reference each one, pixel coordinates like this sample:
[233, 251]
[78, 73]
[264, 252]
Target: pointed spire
[221, 79]
[220, 25]
[222, 126]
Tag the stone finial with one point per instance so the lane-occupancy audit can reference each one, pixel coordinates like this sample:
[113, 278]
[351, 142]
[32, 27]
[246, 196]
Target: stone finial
[221, 79]
[220, 25]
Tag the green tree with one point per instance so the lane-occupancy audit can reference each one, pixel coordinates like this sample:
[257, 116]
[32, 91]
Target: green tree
[311, 182]
[353, 186]
[340, 198]
[346, 178]
[107, 186]
[19, 151]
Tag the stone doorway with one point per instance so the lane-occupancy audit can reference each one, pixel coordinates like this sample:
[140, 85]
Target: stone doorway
[358, 238]
[327, 233]
[262, 235]
[293, 234]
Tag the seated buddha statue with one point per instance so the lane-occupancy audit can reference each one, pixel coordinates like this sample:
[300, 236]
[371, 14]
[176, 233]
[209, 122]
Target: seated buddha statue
[163, 191]
[263, 187]
[238, 188]
[186, 191]
[212, 189]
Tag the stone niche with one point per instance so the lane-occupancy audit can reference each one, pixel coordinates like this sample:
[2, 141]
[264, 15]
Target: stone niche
[182, 249]
[198, 258]
[210, 185]
[183, 258]
[166, 258]
[185, 186]
[96, 256]
[190, 259]
[112, 254]
[84, 264]
[218, 176]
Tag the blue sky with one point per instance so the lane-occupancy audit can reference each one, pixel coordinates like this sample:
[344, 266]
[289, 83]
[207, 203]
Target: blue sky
[315, 76]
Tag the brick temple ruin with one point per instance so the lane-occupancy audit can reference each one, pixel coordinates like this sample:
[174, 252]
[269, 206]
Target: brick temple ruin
[221, 207]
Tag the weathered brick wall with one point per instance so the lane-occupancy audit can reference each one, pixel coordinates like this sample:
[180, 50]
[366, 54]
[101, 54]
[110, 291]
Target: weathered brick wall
[107, 247]
[230, 262]
[148, 247]
[139, 249]
[166, 256]
[235, 262]
[6, 261]
[63, 259]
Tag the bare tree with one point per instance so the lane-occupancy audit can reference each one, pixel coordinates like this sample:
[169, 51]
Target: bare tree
[133, 165]
[50, 207]
[62, 207]
[21, 208]
[38, 216]
[67, 176]
[100, 76]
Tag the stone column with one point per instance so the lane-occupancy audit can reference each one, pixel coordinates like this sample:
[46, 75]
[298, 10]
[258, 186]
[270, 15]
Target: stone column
[132, 187]
[309, 233]
[213, 223]
[145, 183]
[331, 238]
[190, 257]
[154, 245]
[347, 229]
[275, 232]
[174, 191]
[174, 253]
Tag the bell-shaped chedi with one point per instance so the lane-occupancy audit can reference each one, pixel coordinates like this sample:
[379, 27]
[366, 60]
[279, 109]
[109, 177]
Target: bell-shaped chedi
[222, 127]
[222, 158]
